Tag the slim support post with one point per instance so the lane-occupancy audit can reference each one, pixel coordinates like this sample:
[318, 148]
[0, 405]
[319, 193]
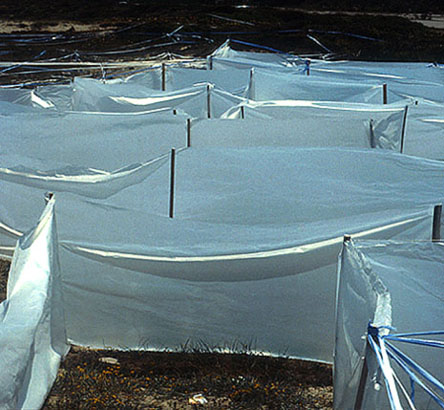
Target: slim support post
[362, 380]
[209, 101]
[364, 370]
[172, 178]
[188, 132]
[384, 93]
[163, 77]
[242, 112]
[436, 231]
[210, 60]
[250, 85]
[372, 135]
[404, 122]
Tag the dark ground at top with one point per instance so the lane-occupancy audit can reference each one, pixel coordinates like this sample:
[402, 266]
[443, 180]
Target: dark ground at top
[280, 24]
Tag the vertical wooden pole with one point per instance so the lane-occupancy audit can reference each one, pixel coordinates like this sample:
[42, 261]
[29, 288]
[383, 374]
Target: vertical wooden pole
[250, 85]
[384, 93]
[362, 379]
[163, 77]
[172, 178]
[174, 112]
[436, 231]
[307, 66]
[372, 135]
[210, 59]
[188, 132]
[242, 110]
[209, 101]
[364, 370]
[404, 122]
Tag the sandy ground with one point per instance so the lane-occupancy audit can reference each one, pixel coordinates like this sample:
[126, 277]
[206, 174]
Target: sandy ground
[23, 26]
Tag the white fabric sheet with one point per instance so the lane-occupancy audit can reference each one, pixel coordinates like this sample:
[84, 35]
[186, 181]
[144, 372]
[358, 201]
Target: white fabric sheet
[322, 128]
[32, 328]
[390, 284]
[291, 85]
[75, 139]
[236, 248]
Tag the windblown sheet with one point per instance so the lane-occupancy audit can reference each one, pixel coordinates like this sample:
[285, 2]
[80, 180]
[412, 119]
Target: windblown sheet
[390, 284]
[99, 141]
[235, 248]
[289, 84]
[32, 332]
[319, 128]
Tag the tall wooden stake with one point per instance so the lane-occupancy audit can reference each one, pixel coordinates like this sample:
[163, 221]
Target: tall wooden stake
[404, 122]
[384, 93]
[436, 231]
[188, 132]
[209, 101]
[242, 112]
[210, 59]
[250, 84]
[172, 178]
[372, 135]
[163, 77]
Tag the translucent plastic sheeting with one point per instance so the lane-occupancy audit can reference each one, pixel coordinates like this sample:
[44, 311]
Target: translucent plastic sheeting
[116, 96]
[233, 81]
[225, 58]
[98, 141]
[95, 96]
[391, 284]
[290, 85]
[404, 80]
[424, 133]
[23, 97]
[332, 129]
[32, 328]
[423, 128]
[236, 259]
[92, 183]
[151, 78]
[177, 78]
[286, 109]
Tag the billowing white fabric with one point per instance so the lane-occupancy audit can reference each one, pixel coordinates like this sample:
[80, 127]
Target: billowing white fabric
[390, 284]
[234, 81]
[236, 248]
[92, 183]
[151, 78]
[286, 109]
[23, 97]
[404, 80]
[424, 133]
[75, 139]
[116, 96]
[291, 85]
[32, 328]
[322, 128]
[225, 58]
